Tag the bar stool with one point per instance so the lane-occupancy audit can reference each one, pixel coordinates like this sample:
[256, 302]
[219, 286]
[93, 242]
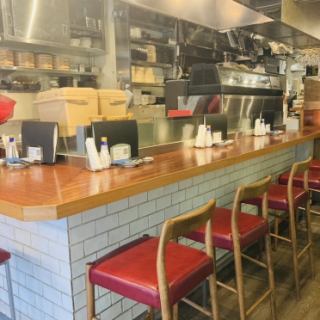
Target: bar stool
[287, 199]
[156, 271]
[4, 260]
[233, 230]
[313, 180]
[315, 165]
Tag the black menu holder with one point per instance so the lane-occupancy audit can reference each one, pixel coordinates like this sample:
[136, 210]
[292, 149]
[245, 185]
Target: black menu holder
[123, 131]
[40, 134]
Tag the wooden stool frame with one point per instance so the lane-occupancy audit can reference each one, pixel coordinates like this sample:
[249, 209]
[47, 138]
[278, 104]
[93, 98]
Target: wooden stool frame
[297, 168]
[244, 193]
[173, 229]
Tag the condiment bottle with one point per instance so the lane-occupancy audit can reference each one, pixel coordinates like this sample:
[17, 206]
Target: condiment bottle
[11, 150]
[104, 154]
[209, 137]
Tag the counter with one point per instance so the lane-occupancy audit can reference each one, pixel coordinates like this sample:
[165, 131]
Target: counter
[56, 218]
[54, 192]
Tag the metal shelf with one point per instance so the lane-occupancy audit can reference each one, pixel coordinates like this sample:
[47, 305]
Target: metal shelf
[139, 84]
[155, 43]
[150, 25]
[151, 64]
[52, 49]
[47, 71]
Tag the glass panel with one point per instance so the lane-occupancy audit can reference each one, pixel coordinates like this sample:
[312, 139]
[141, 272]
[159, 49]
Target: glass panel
[232, 77]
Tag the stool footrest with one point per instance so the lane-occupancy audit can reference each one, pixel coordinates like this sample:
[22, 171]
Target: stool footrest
[261, 299]
[304, 250]
[280, 238]
[257, 262]
[223, 285]
[197, 307]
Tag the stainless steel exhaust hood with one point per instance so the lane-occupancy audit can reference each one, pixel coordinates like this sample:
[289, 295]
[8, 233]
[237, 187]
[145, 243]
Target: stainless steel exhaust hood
[295, 22]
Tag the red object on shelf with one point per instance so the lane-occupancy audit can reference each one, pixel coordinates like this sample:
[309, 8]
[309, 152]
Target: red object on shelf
[179, 113]
[6, 108]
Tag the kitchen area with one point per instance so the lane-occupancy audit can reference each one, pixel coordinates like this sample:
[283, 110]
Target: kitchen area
[118, 115]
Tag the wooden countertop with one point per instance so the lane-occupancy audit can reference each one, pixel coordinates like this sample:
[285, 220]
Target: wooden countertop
[53, 192]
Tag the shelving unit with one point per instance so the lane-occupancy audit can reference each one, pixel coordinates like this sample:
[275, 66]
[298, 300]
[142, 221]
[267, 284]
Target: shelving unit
[46, 71]
[150, 64]
[155, 43]
[140, 84]
[50, 49]
[155, 35]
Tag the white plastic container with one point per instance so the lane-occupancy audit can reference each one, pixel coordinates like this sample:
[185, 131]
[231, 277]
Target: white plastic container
[112, 102]
[70, 107]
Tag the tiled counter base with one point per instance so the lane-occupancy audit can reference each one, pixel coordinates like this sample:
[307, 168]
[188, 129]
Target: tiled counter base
[48, 264]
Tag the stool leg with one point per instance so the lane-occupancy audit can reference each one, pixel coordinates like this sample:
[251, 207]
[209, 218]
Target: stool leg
[176, 312]
[150, 314]
[10, 291]
[293, 235]
[239, 280]
[309, 238]
[90, 296]
[213, 289]
[204, 294]
[270, 276]
[276, 232]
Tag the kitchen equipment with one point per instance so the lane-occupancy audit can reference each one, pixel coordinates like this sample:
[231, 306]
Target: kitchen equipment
[241, 95]
[70, 107]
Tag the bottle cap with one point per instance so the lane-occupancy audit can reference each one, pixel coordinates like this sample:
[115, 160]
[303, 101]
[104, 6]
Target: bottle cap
[104, 139]
[11, 139]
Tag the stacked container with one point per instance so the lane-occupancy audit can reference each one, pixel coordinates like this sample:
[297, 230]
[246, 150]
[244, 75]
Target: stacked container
[70, 107]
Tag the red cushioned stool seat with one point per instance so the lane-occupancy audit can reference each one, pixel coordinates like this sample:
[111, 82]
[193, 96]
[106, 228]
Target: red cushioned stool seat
[4, 256]
[313, 179]
[278, 198]
[251, 229]
[131, 271]
[315, 165]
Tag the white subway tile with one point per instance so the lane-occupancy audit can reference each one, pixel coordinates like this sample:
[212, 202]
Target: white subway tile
[139, 225]
[155, 218]
[76, 252]
[178, 197]
[171, 188]
[82, 232]
[184, 184]
[156, 193]
[95, 244]
[147, 208]
[94, 214]
[108, 223]
[118, 234]
[138, 199]
[163, 202]
[118, 206]
[128, 215]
